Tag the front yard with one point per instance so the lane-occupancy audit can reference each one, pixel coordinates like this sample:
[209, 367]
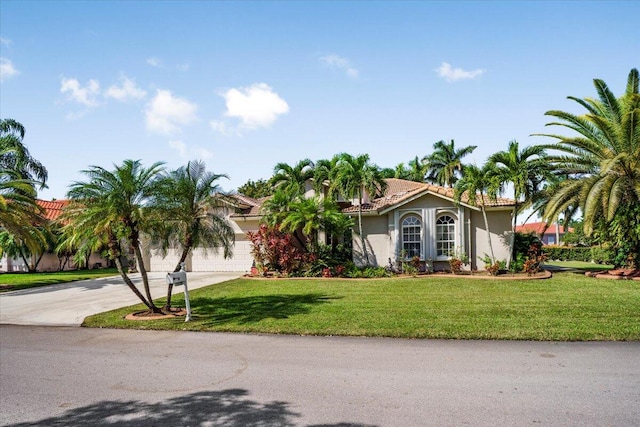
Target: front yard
[566, 307]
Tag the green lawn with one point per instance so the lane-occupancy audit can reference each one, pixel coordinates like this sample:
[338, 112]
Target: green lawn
[15, 281]
[567, 307]
[579, 265]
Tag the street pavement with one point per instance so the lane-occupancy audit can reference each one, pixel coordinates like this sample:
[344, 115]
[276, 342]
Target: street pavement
[101, 377]
[67, 304]
[76, 376]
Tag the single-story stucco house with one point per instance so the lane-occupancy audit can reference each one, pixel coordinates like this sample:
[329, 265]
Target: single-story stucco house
[549, 234]
[411, 218]
[51, 210]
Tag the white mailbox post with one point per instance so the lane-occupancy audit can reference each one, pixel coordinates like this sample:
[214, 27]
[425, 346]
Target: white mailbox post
[179, 278]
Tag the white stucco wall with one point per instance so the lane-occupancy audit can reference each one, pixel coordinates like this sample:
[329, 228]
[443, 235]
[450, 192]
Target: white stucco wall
[383, 232]
[500, 229]
[376, 233]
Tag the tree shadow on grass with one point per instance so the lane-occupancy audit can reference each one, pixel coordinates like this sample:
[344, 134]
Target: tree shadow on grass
[245, 310]
[228, 408]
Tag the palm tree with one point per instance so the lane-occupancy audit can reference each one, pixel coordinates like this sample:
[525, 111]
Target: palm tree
[444, 165]
[311, 216]
[322, 171]
[111, 205]
[187, 209]
[525, 169]
[476, 182]
[353, 177]
[19, 212]
[292, 178]
[15, 156]
[603, 164]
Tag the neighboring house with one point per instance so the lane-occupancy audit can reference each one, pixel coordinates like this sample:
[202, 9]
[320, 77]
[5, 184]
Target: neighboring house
[417, 218]
[414, 218]
[549, 234]
[49, 261]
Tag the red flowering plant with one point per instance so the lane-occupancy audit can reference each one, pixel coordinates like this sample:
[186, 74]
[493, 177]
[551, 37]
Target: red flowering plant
[274, 250]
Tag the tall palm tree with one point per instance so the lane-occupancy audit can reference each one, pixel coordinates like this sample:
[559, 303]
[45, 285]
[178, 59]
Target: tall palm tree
[111, 204]
[15, 156]
[353, 177]
[525, 169]
[187, 213]
[415, 170]
[322, 173]
[292, 178]
[444, 165]
[602, 161]
[476, 182]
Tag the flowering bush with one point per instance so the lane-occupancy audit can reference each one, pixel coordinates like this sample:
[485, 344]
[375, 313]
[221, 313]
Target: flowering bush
[275, 251]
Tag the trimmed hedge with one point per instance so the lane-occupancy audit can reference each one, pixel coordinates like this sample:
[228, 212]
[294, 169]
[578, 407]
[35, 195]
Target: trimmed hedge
[596, 254]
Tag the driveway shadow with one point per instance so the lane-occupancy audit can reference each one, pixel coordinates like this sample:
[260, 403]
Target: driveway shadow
[86, 284]
[228, 408]
[244, 310]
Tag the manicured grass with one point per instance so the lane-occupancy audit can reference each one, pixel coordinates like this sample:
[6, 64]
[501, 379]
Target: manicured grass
[580, 265]
[565, 307]
[15, 281]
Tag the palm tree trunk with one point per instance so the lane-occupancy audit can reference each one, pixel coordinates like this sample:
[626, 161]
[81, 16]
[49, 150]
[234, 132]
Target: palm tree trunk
[512, 244]
[145, 278]
[129, 283]
[486, 226]
[362, 240]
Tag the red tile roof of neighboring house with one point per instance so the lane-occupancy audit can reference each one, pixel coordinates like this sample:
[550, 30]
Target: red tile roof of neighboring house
[400, 190]
[52, 209]
[540, 228]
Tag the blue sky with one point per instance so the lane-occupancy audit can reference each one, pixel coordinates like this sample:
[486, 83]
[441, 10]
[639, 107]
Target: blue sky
[244, 85]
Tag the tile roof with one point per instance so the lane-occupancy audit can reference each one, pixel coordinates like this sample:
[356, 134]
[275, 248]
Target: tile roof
[52, 208]
[400, 190]
[540, 228]
[248, 206]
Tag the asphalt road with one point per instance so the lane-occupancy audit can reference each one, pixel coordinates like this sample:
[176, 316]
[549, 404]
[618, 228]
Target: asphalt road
[77, 376]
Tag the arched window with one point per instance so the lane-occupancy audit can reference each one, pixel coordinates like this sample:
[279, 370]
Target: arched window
[445, 236]
[411, 236]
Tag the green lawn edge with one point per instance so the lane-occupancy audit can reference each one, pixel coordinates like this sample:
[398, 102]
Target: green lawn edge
[567, 307]
[16, 281]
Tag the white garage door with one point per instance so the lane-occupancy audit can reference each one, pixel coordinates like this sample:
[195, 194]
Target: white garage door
[164, 264]
[240, 261]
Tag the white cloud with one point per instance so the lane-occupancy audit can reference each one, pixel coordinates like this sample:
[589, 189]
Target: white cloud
[256, 106]
[154, 62]
[83, 95]
[165, 113]
[126, 91]
[5, 42]
[180, 147]
[454, 74]
[7, 70]
[222, 127]
[187, 153]
[203, 153]
[337, 62]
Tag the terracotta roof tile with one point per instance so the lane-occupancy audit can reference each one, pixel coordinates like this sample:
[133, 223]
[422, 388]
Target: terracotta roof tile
[540, 228]
[399, 190]
[52, 208]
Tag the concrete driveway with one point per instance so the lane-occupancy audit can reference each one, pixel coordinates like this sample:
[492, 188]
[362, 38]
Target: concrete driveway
[68, 304]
